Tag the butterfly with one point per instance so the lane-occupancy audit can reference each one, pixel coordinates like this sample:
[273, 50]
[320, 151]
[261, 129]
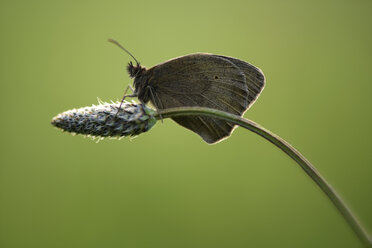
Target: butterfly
[205, 80]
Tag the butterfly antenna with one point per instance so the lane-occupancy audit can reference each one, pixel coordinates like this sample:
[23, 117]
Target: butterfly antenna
[118, 44]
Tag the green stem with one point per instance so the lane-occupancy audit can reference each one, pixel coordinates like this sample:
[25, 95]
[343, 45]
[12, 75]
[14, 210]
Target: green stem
[289, 150]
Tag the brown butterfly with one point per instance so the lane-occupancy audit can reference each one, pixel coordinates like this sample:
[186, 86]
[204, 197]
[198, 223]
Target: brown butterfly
[205, 80]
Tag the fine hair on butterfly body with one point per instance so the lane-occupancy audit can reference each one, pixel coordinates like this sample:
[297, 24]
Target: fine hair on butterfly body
[205, 80]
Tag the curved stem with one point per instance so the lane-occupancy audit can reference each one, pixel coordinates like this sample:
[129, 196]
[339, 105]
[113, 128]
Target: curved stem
[289, 150]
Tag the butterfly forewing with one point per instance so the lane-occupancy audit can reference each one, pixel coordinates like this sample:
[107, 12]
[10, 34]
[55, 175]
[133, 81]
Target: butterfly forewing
[201, 80]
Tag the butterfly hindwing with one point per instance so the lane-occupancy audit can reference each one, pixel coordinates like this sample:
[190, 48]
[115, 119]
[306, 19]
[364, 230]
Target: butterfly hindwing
[204, 80]
[254, 76]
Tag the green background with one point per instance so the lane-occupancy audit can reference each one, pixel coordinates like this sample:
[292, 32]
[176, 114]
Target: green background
[167, 188]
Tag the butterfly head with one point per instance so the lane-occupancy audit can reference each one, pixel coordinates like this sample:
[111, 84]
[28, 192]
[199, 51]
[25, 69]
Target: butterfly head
[134, 70]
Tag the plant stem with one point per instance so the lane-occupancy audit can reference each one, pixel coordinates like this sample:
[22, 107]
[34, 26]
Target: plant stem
[289, 150]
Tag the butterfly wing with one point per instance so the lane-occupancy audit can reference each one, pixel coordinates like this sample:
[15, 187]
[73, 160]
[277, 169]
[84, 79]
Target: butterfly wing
[201, 80]
[254, 76]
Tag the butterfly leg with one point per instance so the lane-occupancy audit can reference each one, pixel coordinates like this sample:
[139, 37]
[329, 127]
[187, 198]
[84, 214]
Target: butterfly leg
[122, 100]
[153, 100]
[143, 106]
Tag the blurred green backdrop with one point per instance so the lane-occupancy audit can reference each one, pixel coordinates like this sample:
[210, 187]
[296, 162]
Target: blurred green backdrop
[167, 188]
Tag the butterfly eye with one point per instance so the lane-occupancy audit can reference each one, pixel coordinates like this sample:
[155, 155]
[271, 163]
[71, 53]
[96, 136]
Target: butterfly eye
[131, 69]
